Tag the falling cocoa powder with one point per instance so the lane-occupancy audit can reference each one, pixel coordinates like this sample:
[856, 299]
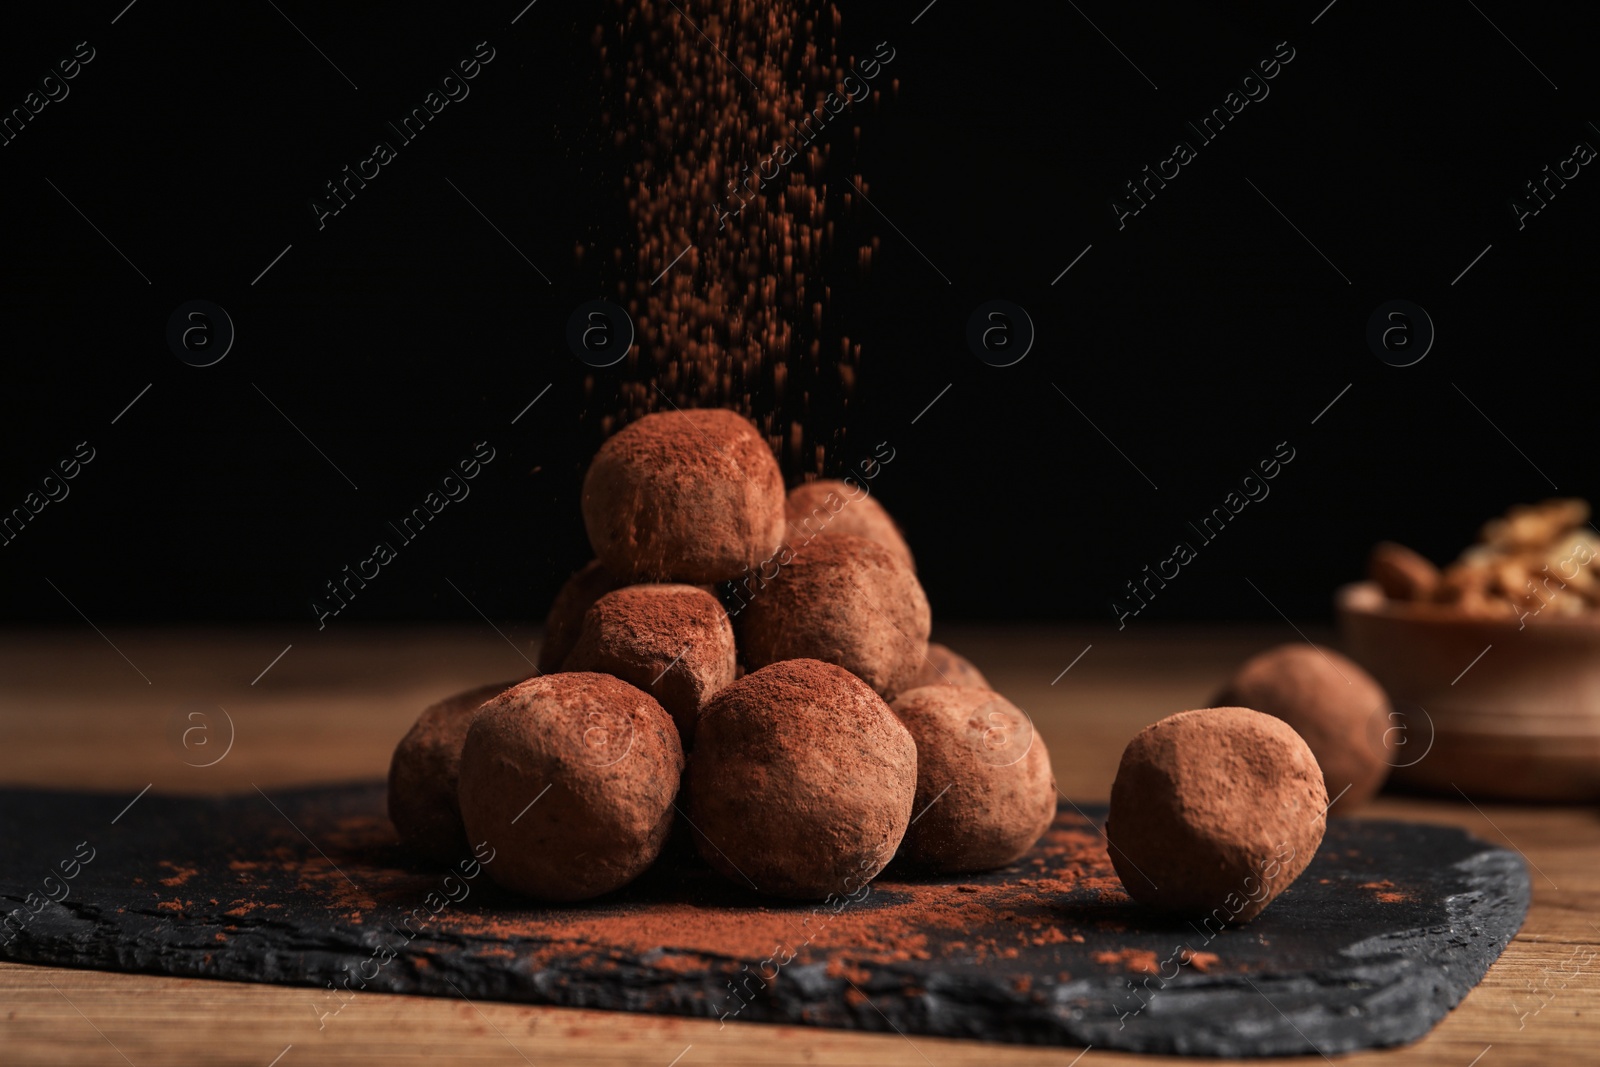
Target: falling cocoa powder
[732, 213]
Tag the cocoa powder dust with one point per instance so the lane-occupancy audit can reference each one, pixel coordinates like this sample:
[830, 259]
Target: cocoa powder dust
[730, 306]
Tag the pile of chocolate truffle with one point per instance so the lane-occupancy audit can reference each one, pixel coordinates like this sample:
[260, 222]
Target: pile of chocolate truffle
[753, 663]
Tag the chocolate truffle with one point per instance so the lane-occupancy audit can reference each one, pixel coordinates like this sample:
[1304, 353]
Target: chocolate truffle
[575, 597]
[844, 600]
[1214, 813]
[571, 778]
[843, 507]
[941, 666]
[423, 773]
[684, 496]
[985, 791]
[673, 641]
[1338, 708]
[801, 781]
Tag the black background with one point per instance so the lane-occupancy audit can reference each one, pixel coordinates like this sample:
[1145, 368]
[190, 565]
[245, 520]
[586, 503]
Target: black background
[1196, 339]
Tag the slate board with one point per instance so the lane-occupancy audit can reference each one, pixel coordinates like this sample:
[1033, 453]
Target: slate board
[1385, 932]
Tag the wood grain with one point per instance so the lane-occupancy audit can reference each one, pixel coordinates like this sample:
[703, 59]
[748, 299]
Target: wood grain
[75, 713]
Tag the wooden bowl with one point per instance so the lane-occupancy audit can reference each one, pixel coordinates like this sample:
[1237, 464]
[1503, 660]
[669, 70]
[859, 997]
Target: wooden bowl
[1500, 709]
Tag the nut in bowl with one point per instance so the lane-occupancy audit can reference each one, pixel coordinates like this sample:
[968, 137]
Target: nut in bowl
[1501, 649]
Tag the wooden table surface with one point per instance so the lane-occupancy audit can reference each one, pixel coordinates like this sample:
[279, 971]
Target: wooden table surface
[77, 711]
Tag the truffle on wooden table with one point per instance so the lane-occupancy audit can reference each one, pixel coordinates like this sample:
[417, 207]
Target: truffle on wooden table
[574, 598]
[423, 774]
[672, 641]
[1214, 813]
[684, 496]
[1338, 708]
[801, 781]
[842, 507]
[944, 666]
[571, 778]
[844, 600]
[985, 791]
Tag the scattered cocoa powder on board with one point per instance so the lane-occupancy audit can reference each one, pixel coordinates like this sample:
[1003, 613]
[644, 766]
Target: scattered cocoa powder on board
[892, 925]
[1134, 959]
[680, 920]
[1386, 892]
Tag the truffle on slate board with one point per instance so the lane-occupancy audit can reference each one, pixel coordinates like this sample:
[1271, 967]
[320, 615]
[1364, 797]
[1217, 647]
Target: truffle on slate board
[844, 600]
[1214, 813]
[571, 778]
[942, 666]
[841, 507]
[673, 641]
[985, 792]
[686, 496]
[423, 773]
[801, 781]
[1338, 708]
[561, 626]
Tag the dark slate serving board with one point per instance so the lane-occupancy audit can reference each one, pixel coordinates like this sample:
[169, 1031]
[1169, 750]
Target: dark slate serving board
[1385, 932]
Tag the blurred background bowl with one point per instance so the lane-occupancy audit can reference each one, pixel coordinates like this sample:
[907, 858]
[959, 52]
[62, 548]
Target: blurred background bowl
[1487, 706]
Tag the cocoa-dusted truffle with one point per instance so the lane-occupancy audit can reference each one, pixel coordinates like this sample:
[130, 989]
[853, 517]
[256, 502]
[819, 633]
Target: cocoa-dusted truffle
[571, 779]
[843, 507]
[574, 598]
[423, 773]
[985, 791]
[1214, 813]
[942, 666]
[684, 496]
[673, 641]
[1338, 708]
[801, 781]
[844, 600]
